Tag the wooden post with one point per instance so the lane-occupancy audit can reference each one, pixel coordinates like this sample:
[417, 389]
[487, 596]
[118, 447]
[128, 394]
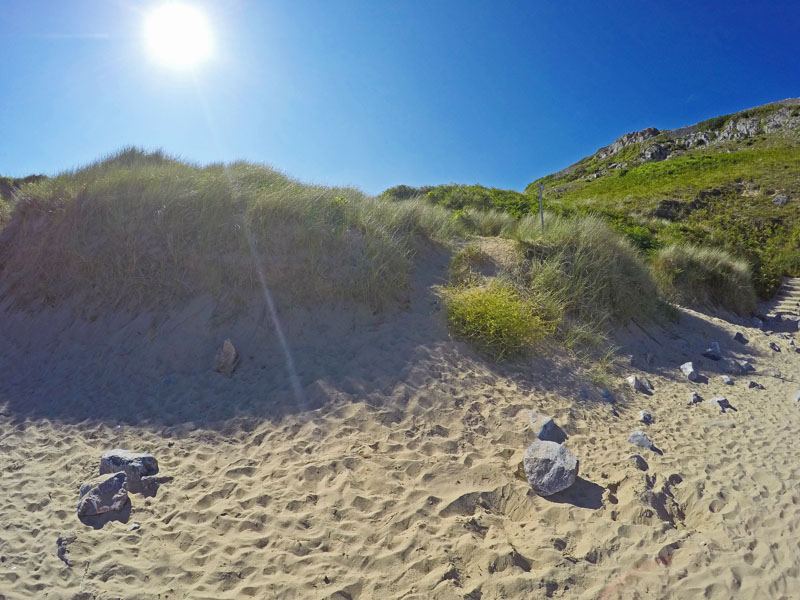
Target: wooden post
[541, 206]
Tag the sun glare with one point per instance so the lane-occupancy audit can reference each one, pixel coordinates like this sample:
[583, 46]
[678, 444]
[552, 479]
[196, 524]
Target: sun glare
[178, 35]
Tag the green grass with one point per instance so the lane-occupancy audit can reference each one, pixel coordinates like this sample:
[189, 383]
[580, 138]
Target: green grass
[704, 277]
[710, 198]
[496, 318]
[140, 228]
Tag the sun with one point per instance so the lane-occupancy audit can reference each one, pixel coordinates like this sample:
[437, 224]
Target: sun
[178, 35]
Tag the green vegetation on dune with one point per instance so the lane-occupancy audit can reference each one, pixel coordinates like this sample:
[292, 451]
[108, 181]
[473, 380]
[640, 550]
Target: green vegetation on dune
[138, 228]
[704, 277]
[142, 230]
[461, 197]
[717, 198]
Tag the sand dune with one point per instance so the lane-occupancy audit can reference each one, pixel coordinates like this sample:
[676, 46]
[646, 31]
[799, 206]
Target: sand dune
[395, 474]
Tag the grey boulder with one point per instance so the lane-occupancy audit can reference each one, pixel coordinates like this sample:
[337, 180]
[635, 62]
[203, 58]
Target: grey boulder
[695, 399]
[549, 467]
[740, 338]
[103, 494]
[138, 467]
[756, 385]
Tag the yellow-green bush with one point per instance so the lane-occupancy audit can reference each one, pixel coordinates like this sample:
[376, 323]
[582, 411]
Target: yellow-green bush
[496, 318]
[696, 276]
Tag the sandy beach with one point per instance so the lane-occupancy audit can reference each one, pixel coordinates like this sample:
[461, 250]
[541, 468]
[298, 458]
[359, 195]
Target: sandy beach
[396, 473]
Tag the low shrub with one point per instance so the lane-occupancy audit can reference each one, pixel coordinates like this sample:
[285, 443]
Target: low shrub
[591, 271]
[706, 277]
[495, 318]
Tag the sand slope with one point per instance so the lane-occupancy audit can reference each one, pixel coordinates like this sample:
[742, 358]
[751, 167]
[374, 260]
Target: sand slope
[395, 473]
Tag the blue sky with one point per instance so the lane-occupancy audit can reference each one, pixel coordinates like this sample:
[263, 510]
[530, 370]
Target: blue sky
[374, 94]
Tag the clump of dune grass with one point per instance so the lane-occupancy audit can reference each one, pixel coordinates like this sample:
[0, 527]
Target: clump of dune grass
[496, 318]
[704, 277]
[594, 274]
[141, 227]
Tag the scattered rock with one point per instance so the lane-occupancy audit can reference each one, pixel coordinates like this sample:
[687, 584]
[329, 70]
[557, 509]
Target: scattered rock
[640, 385]
[136, 466]
[695, 399]
[780, 200]
[134, 527]
[734, 367]
[712, 354]
[62, 546]
[549, 467]
[723, 404]
[755, 385]
[757, 323]
[775, 346]
[746, 367]
[550, 432]
[797, 396]
[740, 338]
[775, 373]
[639, 438]
[645, 417]
[727, 380]
[688, 370]
[639, 462]
[227, 358]
[103, 494]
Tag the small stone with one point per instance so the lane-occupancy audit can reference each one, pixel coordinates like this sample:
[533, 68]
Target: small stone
[639, 462]
[550, 432]
[645, 417]
[740, 338]
[688, 370]
[775, 346]
[757, 323]
[709, 353]
[227, 358]
[637, 384]
[780, 200]
[133, 527]
[746, 367]
[797, 396]
[639, 438]
[733, 367]
[695, 399]
[727, 380]
[106, 493]
[774, 373]
[755, 385]
[723, 404]
[549, 467]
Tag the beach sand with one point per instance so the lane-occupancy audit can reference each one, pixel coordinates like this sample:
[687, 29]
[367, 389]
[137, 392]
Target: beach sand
[388, 464]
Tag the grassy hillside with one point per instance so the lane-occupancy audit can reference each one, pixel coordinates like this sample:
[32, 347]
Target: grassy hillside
[719, 183]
